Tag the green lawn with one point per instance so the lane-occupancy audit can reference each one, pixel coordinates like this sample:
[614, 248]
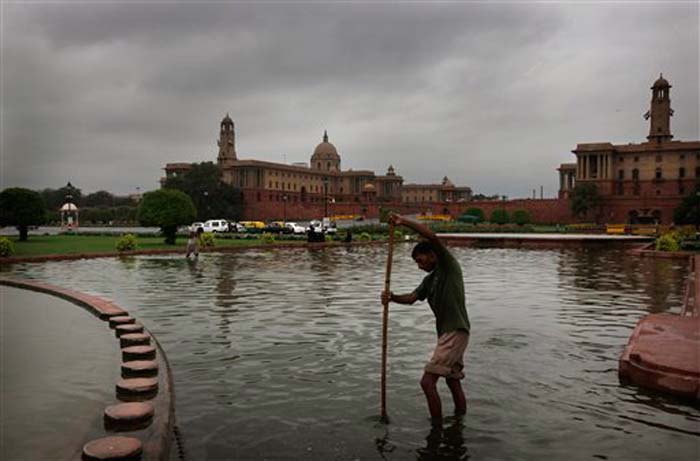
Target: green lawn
[38, 245]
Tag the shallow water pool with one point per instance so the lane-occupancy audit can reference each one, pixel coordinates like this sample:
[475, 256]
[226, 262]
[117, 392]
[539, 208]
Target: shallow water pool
[276, 353]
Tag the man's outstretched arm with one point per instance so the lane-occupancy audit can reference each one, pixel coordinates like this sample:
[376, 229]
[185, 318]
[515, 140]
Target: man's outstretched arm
[421, 229]
[408, 298]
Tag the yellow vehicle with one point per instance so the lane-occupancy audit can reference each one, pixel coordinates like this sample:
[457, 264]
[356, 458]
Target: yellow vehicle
[253, 224]
[435, 217]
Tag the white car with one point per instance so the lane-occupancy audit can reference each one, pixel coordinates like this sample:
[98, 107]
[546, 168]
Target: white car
[316, 226]
[195, 226]
[295, 228]
[216, 225]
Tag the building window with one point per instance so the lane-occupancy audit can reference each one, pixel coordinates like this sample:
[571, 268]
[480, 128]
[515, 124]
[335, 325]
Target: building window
[658, 158]
[681, 189]
[657, 174]
[697, 171]
[635, 174]
[621, 175]
[682, 156]
[681, 172]
[658, 191]
[636, 188]
[620, 190]
[636, 158]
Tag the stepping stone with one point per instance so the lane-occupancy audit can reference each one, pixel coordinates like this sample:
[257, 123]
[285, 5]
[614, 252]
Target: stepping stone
[129, 414]
[120, 320]
[134, 339]
[139, 368]
[127, 328]
[138, 353]
[113, 448]
[137, 387]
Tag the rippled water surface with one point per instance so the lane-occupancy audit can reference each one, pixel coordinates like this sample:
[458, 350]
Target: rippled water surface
[276, 354]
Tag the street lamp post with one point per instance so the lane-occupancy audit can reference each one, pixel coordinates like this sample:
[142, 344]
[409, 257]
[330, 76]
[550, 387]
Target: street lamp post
[284, 200]
[325, 196]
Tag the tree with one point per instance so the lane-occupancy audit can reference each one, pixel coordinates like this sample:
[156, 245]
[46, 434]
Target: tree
[478, 213]
[499, 216]
[167, 209]
[99, 198]
[584, 198]
[55, 198]
[688, 212]
[22, 208]
[211, 196]
[521, 217]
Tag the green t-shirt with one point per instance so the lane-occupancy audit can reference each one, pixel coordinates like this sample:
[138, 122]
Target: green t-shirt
[444, 289]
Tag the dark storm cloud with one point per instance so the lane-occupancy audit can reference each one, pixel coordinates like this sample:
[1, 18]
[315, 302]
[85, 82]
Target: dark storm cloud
[494, 96]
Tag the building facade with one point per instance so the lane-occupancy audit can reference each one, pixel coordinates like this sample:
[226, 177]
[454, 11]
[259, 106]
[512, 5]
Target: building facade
[638, 182]
[320, 188]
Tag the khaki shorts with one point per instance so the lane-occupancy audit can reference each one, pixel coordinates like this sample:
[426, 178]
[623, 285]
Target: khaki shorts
[448, 357]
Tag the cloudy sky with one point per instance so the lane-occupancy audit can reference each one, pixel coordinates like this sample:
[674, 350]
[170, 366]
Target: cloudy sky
[493, 95]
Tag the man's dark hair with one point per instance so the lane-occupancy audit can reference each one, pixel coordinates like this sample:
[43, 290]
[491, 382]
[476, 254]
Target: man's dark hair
[424, 247]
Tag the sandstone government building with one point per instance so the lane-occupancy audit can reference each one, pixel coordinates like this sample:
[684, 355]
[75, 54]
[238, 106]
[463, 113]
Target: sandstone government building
[638, 182]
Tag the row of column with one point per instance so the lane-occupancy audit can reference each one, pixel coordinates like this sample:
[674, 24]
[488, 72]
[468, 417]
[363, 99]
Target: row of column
[567, 180]
[594, 166]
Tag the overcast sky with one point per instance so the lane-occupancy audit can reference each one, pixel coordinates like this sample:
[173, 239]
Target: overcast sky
[495, 96]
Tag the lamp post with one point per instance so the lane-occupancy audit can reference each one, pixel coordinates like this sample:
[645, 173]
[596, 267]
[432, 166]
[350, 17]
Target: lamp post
[325, 196]
[697, 212]
[284, 200]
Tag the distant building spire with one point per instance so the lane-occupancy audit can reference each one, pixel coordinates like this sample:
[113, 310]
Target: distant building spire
[325, 136]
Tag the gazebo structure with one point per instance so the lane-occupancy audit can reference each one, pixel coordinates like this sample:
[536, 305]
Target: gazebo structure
[69, 216]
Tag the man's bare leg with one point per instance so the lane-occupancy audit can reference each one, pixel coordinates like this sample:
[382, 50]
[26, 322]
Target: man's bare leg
[429, 384]
[457, 395]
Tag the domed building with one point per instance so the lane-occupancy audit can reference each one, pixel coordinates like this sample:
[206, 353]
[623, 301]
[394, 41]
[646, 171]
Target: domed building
[304, 191]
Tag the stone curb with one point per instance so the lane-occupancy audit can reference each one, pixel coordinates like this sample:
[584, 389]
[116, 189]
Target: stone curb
[178, 250]
[156, 445]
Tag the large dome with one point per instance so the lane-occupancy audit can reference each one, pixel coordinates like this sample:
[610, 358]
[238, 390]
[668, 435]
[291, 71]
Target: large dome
[326, 150]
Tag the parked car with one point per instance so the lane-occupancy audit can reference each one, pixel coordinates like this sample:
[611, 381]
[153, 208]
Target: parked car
[329, 226]
[216, 225]
[253, 226]
[315, 226]
[195, 226]
[295, 228]
[236, 227]
[277, 227]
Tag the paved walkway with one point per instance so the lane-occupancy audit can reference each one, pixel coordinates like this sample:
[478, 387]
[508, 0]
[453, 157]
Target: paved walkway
[548, 237]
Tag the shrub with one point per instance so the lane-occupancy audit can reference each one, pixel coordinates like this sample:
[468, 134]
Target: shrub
[521, 217]
[267, 238]
[668, 242]
[206, 240]
[499, 216]
[126, 242]
[6, 247]
[365, 237]
[477, 213]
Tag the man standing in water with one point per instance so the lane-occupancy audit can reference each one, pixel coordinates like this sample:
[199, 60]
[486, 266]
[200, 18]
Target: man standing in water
[444, 289]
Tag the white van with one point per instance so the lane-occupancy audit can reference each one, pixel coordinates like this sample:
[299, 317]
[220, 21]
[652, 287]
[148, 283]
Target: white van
[215, 225]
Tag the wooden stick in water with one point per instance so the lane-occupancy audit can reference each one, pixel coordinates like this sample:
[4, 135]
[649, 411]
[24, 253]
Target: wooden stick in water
[385, 318]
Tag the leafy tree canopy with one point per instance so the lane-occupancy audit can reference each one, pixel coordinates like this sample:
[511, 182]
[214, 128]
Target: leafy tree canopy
[167, 209]
[584, 199]
[499, 216]
[22, 208]
[100, 198]
[211, 196]
[687, 211]
[55, 198]
[478, 213]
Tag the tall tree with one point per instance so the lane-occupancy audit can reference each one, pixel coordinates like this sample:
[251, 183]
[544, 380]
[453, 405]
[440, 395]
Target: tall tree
[688, 212]
[22, 208]
[55, 198]
[584, 198]
[99, 198]
[211, 196]
[167, 209]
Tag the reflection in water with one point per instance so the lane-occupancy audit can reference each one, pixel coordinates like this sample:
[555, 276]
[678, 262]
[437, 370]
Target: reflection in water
[276, 353]
[445, 443]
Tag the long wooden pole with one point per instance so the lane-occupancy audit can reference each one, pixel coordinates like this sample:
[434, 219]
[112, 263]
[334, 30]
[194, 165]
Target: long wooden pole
[385, 317]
